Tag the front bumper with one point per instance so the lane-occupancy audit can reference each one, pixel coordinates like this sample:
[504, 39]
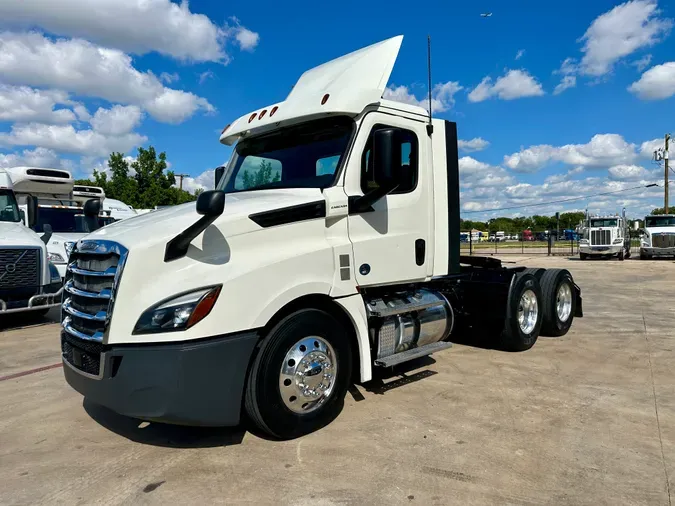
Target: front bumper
[657, 252]
[613, 249]
[17, 300]
[186, 383]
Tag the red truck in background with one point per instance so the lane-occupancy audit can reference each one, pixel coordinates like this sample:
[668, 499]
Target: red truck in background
[527, 235]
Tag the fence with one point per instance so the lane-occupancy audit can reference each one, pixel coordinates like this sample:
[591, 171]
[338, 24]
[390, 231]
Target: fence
[538, 244]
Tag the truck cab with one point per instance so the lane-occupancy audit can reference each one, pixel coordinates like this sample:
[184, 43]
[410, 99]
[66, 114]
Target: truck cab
[605, 236]
[328, 248]
[658, 237]
[28, 281]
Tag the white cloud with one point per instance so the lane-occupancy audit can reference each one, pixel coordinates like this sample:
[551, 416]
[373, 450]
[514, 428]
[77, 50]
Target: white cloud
[619, 32]
[205, 75]
[565, 83]
[169, 78]
[520, 54]
[475, 144]
[657, 83]
[116, 121]
[24, 104]
[83, 68]
[643, 62]
[38, 157]
[205, 181]
[82, 112]
[629, 172]
[514, 84]
[476, 174]
[647, 148]
[66, 139]
[246, 39]
[603, 150]
[136, 26]
[442, 96]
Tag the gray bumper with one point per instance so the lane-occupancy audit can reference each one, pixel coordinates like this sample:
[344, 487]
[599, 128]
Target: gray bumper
[614, 249]
[18, 300]
[198, 383]
[657, 252]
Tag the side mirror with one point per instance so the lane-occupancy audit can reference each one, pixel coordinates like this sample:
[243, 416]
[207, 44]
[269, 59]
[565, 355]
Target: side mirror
[23, 216]
[47, 229]
[211, 203]
[386, 156]
[219, 174]
[92, 208]
[32, 208]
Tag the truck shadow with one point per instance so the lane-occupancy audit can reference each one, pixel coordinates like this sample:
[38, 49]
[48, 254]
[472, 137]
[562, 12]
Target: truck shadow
[15, 321]
[164, 435]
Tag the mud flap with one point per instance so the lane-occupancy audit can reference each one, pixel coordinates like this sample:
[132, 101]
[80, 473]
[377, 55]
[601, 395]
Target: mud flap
[579, 311]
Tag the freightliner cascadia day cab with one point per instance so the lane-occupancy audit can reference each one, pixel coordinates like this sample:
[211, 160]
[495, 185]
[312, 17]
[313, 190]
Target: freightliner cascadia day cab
[28, 280]
[329, 248]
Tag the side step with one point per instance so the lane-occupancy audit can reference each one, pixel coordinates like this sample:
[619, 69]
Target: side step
[404, 356]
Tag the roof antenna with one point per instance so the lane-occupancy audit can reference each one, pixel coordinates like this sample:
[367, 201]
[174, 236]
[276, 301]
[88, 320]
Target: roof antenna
[430, 127]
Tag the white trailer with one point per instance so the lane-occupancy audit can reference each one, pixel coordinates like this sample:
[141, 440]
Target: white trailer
[658, 238]
[275, 294]
[28, 281]
[605, 236]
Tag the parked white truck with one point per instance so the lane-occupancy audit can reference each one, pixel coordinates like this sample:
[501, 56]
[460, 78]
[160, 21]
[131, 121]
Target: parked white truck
[605, 236]
[658, 238]
[28, 281]
[272, 294]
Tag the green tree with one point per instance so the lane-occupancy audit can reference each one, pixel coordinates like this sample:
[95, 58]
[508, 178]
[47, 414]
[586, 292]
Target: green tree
[660, 210]
[263, 175]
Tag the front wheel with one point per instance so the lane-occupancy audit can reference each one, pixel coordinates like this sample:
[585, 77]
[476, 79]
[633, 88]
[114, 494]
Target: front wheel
[299, 378]
[583, 256]
[620, 255]
[523, 313]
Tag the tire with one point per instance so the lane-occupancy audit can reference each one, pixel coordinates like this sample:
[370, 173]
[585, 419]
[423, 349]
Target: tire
[514, 336]
[268, 382]
[537, 272]
[620, 255]
[557, 323]
[628, 253]
[583, 256]
[644, 256]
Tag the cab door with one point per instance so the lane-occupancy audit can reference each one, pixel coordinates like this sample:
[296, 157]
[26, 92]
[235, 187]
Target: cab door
[392, 241]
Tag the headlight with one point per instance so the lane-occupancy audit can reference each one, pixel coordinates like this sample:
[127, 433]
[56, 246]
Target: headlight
[178, 313]
[645, 240]
[54, 273]
[56, 258]
[583, 241]
[69, 247]
[618, 240]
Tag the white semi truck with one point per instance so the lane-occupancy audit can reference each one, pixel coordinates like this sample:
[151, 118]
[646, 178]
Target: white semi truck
[277, 290]
[605, 236]
[28, 280]
[658, 238]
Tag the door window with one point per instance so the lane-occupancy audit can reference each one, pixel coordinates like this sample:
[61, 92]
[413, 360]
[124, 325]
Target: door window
[409, 162]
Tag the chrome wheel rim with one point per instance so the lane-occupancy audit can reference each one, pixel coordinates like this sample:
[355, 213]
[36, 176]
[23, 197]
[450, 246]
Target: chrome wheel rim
[563, 302]
[307, 376]
[528, 311]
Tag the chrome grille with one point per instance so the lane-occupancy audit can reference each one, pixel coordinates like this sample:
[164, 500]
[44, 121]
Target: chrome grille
[666, 240]
[601, 237]
[19, 267]
[91, 280]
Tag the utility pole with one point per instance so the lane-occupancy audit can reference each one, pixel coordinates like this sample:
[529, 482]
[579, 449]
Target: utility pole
[665, 185]
[662, 155]
[181, 176]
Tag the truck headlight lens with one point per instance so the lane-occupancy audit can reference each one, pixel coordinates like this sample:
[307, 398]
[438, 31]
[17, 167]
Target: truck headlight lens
[69, 245]
[583, 241]
[618, 241]
[178, 313]
[56, 258]
[645, 240]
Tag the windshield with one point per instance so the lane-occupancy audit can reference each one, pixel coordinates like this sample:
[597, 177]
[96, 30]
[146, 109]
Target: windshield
[603, 223]
[9, 211]
[64, 220]
[659, 221]
[303, 156]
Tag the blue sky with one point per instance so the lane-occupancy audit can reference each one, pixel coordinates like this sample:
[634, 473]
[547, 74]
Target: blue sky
[552, 102]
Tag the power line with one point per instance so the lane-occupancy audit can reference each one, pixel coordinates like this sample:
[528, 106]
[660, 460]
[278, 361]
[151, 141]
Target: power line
[560, 201]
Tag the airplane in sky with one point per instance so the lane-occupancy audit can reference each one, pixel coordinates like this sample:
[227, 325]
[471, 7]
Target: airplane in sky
[486, 14]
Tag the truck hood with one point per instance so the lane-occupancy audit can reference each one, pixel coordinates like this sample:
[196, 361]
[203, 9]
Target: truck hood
[16, 234]
[660, 230]
[162, 225]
